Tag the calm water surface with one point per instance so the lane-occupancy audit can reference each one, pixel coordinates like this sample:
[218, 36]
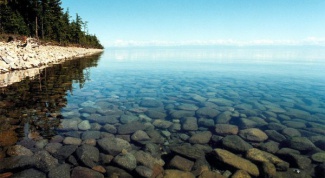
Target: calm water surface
[179, 96]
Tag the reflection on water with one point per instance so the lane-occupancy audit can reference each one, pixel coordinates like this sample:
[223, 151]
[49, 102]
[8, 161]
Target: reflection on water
[34, 104]
[171, 107]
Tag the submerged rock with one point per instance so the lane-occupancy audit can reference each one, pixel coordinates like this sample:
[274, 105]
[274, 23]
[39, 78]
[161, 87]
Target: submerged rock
[235, 143]
[262, 156]
[127, 161]
[236, 161]
[201, 137]
[173, 173]
[115, 172]
[45, 161]
[226, 129]
[29, 173]
[253, 134]
[189, 124]
[301, 144]
[61, 171]
[130, 128]
[114, 146]
[88, 155]
[181, 163]
[188, 151]
[318, 157]
[83, 172]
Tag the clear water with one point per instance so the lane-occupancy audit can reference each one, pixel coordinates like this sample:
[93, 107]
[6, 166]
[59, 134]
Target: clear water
[277, 85]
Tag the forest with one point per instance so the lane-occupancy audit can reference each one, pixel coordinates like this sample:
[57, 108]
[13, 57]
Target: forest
[45, 20]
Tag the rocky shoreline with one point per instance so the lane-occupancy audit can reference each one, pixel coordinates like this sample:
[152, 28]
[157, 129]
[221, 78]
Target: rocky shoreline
[15, 56]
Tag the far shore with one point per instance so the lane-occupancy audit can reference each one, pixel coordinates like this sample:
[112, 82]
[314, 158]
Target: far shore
[16, 58]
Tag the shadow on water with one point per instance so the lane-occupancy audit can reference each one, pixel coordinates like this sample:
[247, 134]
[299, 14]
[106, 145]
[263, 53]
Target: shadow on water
[31, 108]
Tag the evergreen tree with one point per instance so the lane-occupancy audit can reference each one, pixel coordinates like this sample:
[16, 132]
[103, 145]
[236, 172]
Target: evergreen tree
[45, 19]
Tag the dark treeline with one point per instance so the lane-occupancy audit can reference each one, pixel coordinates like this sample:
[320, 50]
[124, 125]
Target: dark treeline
[46, 20]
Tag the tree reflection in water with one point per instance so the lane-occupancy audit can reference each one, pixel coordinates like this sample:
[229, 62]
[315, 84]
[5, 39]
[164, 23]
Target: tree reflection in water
[32, 107]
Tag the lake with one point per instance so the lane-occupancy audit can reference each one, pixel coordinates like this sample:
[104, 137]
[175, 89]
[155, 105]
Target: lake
[139, 111]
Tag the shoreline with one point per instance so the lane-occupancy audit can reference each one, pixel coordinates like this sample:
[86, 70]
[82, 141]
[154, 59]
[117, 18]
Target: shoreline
[31, 56]
[17, 63]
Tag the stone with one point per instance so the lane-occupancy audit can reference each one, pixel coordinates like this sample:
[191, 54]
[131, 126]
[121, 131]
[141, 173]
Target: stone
[240, 174]
[130, 128]
[147, 159]
[140, 136]
[155, 136]
[163, 124]
[294, 124]
[127, 161]
[69, 124]
[253, 134]
[188, 151]
[189, 124]
[177, 114]
[45, 161]
[236, 161]
[90, 134]
[173, 173]
[156, 114]
[301, 144]
[17, 162]
[318, 157]
[124, 119]
[268, 169]
[72, 141]
[41, 143]
[223, 118]
[84, 125]
[245, 123]
[181, 163]
[187, 107]
[8, 138]
[292, 173]
[114, 146]
[206, 122]
[150, 103]
[90, 141]
[291, 132]
[207, 112]
[19, 150]
[65, 151]
[257, 155]
[270, 146]
[274, 135]
[110, 128]
[226, 129]
[276, 126]
[301, 161]
[285, 151]
[107, 119]
[100, 169]
[53, 147]
[83, 172]
[235, 143]
[88, 155]
[144, 171]
[105, 159]
[29, 173]
[210, 174]
[114, 172]
[201, 137]
[61, 171]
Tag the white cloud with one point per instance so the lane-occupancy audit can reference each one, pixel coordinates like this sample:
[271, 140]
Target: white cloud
[223, 42]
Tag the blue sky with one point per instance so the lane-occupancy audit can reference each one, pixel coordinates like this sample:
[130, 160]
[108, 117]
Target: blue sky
[223, 22]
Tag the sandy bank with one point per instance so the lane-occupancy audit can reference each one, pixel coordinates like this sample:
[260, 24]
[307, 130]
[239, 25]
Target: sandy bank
[36, 56]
